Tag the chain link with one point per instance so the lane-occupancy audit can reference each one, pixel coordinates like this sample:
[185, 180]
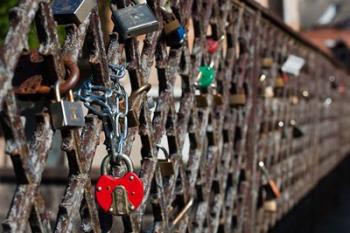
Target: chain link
[106, 103]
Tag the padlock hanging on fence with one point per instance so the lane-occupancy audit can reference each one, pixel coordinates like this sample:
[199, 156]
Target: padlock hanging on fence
[72, 11]
[118, 195]
[214, 45]
[205, 76]
[135, 20]
[204, 79]
[174, 30]
[66, 113]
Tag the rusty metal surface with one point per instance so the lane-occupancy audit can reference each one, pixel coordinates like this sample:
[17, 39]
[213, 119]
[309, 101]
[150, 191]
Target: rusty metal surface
[219, 184]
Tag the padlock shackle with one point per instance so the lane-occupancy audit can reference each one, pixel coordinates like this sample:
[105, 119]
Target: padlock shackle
[107, 159]
[72, 76]
[166, 154]
[57, 91]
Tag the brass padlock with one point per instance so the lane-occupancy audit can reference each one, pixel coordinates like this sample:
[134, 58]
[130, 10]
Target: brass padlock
[135, 20]
[279, 87]
[72, 11]
[66, 113]
[165, 165]
[218, 99]
[267, 62]
[238, 100]
[201, 101]
[270, 206]
[279, 82]
[121, 205]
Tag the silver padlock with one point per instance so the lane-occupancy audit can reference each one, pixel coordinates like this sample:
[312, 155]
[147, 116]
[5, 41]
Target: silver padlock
[66, 113]
[135, 20]
[72, 11]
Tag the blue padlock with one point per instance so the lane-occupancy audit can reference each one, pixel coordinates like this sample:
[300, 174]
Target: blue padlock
[175, 33]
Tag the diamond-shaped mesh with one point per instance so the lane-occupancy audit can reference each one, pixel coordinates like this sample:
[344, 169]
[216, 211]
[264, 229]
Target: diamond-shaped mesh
[217, 186]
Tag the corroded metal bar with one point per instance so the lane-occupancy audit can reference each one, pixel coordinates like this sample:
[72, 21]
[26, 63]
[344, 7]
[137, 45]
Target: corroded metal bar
[298, 126]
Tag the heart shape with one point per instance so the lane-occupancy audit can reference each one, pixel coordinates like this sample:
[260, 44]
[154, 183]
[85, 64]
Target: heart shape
[106, 185]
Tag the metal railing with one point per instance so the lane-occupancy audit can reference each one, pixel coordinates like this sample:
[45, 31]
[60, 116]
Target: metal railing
[299, 128]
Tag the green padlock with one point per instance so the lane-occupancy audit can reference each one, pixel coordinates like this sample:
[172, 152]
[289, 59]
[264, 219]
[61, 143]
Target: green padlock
[206, 76]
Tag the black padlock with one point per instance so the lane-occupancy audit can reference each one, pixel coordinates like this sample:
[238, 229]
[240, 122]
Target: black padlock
[135, 20]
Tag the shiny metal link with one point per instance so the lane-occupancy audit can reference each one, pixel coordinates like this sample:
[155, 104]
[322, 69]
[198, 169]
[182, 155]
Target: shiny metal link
[105, 103]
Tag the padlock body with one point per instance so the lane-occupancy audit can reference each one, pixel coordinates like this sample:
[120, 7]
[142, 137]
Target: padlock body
[171, 26]
[67, 114]
[106, 184]
[166, 167]
[135, 20]
[238, 100]
[72, 11]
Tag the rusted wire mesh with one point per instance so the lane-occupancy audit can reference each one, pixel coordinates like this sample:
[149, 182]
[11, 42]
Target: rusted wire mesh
[221, 176]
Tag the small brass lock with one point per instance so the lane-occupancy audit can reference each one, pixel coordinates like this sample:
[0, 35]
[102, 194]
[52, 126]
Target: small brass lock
[66, 113]
[267, 62]
[218, 99]
[279, 87]
[279, 82]
[238, 100]
[165, 165]
[201, 101]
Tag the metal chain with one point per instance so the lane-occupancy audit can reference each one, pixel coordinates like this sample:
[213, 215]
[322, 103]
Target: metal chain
[105, 103]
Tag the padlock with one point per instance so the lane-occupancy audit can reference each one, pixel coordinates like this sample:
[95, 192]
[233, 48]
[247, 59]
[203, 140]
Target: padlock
[238, 100]
[165, 165]
[135, 100]
[279, 87]
[279, 82]
[267, 62]
[206, 76]
[175, 32]
[134, 20]
[72, 11]
[218, 99]
[296, 131]
[110, 195]
[270, 206]
[271, 183]
[213, 45]
[201, 101]
[66, 113]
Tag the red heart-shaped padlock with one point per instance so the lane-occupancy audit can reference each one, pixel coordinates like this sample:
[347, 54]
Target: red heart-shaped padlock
[106, 185]
[212, 45]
